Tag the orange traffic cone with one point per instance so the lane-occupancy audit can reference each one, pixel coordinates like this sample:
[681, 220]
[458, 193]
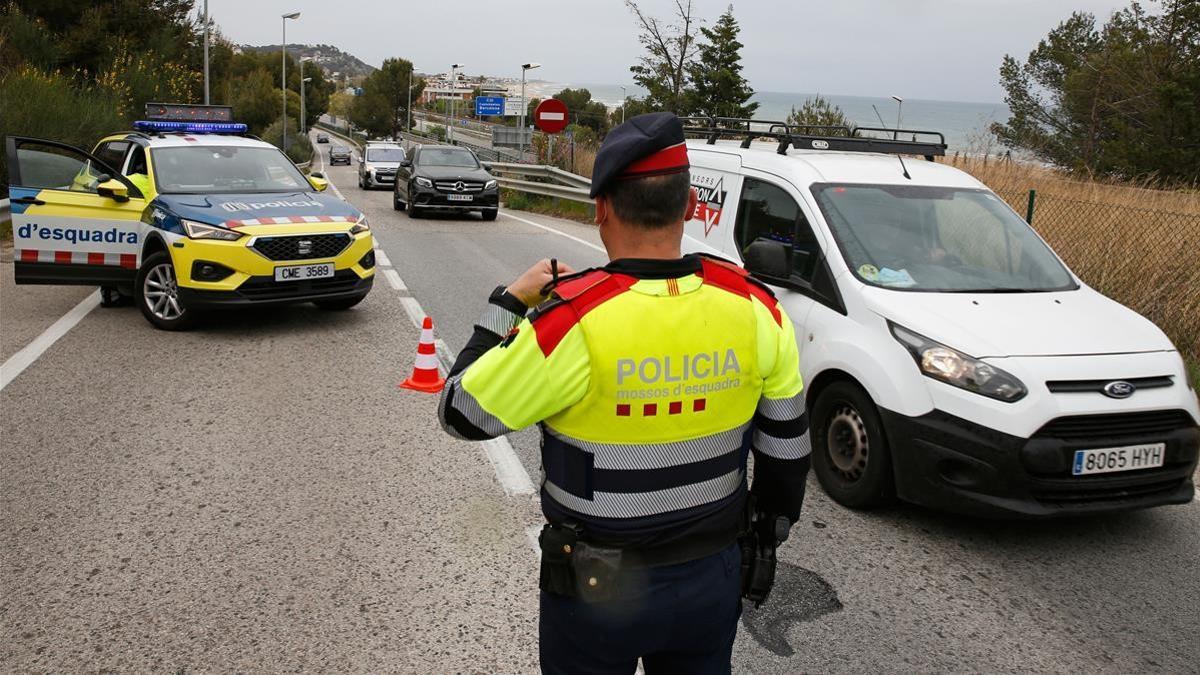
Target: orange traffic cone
[425, 376]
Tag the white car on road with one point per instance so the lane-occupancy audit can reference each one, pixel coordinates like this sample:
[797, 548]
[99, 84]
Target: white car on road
[951, 358]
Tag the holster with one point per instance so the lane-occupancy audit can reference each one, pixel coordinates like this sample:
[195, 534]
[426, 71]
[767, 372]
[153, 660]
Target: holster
[576, 569]
[762, 533]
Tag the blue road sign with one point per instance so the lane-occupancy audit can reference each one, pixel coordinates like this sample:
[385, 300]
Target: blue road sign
[489, 105]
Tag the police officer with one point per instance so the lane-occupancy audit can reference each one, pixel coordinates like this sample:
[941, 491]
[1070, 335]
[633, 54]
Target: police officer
[652, 378]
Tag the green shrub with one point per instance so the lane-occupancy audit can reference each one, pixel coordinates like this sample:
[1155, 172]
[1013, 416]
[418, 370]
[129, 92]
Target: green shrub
[300, 148]
[49, 105]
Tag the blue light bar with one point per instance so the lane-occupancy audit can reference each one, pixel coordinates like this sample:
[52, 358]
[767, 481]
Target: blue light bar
[191, 127]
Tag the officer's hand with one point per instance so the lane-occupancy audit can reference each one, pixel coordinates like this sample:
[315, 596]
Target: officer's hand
[528, 287]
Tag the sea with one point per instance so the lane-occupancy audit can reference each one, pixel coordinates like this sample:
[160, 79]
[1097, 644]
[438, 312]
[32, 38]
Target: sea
[964, 124]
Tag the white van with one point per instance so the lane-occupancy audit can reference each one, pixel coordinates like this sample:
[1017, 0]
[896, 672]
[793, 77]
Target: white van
[951, 358]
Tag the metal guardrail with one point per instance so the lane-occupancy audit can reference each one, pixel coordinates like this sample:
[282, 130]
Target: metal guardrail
[554, 181]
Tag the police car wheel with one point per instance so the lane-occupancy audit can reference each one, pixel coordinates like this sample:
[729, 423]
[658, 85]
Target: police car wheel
[157, 293]
[850, 452]
[339, 304]
[490, 214]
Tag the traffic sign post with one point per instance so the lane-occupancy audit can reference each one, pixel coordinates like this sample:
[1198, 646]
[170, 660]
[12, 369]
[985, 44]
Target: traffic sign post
[550, 116]
[486, 106]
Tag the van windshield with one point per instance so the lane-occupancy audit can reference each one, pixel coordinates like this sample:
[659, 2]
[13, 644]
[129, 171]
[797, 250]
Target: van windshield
[925, 238]
[385, 154]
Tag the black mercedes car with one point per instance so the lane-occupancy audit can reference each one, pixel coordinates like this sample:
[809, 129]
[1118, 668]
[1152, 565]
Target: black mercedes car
[445, 178]
[339, 154]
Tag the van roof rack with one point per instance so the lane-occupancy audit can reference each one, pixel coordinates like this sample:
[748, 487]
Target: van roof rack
[818, 137]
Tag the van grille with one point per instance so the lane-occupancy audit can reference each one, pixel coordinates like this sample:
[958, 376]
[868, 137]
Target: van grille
[1116, 425]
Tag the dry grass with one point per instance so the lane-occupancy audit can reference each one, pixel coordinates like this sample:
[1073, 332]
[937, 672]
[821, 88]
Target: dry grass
[1133, 242]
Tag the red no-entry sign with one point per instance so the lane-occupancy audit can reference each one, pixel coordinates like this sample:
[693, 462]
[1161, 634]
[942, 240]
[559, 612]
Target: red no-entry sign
[550, 116]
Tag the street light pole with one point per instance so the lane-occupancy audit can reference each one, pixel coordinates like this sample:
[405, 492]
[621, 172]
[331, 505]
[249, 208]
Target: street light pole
[303, 113]
[624, 98]
[205, 52]
[453, 100]
[283, 76]
[524, 67]
[899, 107]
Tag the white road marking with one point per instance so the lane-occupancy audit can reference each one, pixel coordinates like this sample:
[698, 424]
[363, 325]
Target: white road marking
[17, 363]
[444, 353]
[321, 161]
[513, 477]
[413, 309]
[532, 533]
[554, 231]
[382, 260]
[394, 279]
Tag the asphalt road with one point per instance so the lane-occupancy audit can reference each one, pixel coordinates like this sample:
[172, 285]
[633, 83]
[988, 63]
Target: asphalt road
[257, 495]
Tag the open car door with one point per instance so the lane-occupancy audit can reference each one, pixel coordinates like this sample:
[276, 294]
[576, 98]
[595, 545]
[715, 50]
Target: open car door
[75, 219]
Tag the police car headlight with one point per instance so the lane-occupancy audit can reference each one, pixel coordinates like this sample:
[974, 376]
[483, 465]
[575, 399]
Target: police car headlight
[489, 185]
[955, 368]
[360, 225]
[202, 231]
[424, 182]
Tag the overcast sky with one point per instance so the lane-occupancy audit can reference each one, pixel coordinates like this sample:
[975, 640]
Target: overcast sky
[927, 49]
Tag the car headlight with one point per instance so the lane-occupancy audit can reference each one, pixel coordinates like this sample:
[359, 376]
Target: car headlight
[424, 182]
[202, 231]
[489, 185]
[955, 368]
[360, 225]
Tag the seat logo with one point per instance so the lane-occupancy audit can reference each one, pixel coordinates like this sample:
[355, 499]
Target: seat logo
[1119, 389]
[304, 247]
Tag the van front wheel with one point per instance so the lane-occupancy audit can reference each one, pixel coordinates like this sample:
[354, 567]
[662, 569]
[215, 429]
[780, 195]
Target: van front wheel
[850, 451]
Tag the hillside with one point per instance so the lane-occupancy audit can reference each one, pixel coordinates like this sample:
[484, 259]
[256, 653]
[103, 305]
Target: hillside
[330, 58]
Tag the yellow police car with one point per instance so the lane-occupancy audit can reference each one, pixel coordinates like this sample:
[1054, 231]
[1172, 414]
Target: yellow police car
[184, 214]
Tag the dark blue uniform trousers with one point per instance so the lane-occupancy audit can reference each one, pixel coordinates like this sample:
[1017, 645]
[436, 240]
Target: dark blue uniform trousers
[677, 618]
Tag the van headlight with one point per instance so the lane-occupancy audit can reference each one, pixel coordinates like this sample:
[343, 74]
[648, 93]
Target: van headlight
[953, 367]
[202, 231]
[360, 225]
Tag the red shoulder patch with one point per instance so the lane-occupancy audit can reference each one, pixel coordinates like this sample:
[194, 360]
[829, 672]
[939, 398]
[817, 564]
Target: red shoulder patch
[766, 297]
[578, 297]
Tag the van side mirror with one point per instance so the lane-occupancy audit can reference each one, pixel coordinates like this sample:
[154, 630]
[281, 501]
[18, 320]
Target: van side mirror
[768, 260]
[113, 189]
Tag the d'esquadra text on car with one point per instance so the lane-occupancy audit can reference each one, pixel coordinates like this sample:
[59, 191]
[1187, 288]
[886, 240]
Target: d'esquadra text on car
[951, 358]
[184, 214]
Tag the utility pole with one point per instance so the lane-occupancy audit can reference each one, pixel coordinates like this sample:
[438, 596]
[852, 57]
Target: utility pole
[624, 99]
[205, 52]
[524, 67]
[453, 100]
[899, 107]
[283, 76]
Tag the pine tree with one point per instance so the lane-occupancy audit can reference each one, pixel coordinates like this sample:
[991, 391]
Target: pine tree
[719, 90]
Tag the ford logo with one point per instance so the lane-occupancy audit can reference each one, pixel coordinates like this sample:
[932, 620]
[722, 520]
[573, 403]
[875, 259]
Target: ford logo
[1119, 389]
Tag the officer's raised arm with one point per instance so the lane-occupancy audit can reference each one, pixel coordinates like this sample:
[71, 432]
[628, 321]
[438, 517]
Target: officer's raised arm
[504, 379]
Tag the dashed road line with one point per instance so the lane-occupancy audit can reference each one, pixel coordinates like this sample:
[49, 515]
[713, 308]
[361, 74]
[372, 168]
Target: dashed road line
[554, 231]
[531, 533]
[17, 363]
[382, 259]
[413, 309]
[394, 279]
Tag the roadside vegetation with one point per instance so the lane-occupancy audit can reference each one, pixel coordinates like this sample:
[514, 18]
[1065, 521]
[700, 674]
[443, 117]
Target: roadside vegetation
[80, 72]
